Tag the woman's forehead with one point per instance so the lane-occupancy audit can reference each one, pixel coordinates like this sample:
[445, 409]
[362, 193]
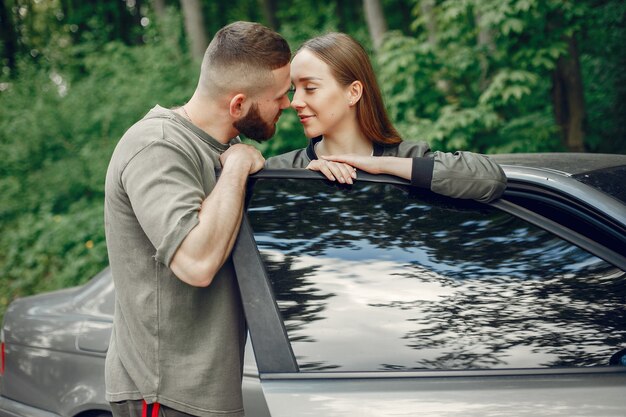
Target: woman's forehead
[306, 64]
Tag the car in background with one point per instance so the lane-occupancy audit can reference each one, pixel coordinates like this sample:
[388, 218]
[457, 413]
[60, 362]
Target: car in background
[378, 299]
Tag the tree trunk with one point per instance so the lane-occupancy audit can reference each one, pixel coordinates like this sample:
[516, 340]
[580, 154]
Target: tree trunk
[341, 15]
[160, 17]
[8, 35]
[375, 21]
[486, 47]
[426, 9]
[72, 19]
[220, 19]
[159, 9]
[269, 12]
[406, 13]
[135, 36]
[194, 27]
[568, 98]
[122, 19]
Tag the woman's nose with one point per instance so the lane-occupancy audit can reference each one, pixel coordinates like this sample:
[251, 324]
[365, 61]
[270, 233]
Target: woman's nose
[296, 103]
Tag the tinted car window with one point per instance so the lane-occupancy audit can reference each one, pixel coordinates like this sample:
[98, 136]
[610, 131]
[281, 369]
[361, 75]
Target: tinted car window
[374, 278]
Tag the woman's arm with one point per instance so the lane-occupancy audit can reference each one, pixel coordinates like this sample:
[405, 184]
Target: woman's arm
[459, 175]
[400, 167]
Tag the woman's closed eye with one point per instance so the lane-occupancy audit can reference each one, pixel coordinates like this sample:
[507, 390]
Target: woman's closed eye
[293, 89]
[308, 88]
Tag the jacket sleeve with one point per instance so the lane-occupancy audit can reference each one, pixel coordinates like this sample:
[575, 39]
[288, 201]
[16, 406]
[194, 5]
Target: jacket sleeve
[467, 175]
[460, 175]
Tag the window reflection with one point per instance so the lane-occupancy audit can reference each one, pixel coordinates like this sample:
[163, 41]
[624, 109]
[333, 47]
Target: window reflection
[371, 278]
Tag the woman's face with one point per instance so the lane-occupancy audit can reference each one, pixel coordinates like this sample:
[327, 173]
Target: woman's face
[321, 102]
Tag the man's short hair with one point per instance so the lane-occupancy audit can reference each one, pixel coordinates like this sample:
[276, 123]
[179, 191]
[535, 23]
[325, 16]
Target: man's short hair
[241, 57]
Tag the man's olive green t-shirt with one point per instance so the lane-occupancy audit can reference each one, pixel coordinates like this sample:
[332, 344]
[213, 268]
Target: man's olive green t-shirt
[172, 343]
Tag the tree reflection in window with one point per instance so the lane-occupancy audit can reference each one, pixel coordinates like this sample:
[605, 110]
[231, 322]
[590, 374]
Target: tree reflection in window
[373, 278]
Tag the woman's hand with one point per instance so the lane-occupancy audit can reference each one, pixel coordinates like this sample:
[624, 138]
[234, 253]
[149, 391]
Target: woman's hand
[400, 167]
[371, 164]
[334, 171]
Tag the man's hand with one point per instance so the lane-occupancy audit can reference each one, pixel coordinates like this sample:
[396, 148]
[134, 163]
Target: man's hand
[246, 155]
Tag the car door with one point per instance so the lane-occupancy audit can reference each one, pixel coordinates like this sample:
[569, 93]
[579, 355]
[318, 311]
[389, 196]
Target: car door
[381, 300]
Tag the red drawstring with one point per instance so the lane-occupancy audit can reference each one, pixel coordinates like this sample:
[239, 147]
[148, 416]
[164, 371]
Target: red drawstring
[155, 409]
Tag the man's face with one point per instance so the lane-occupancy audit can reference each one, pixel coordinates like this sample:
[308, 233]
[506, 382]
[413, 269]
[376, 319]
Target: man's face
[260, 122]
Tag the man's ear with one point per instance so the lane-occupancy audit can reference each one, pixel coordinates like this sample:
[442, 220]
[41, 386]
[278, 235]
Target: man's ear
[355, 91]
[236, 104]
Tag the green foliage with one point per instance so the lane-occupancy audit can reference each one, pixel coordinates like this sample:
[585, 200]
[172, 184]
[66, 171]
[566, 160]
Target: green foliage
[474, 75]
[44, 251]
[56, 135]
[478, 73]
[508, 87]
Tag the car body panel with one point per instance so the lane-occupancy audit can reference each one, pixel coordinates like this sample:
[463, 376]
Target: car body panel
[572, 188]
[54, 358]
[548, 395]
[12, 408]
[59, 387]
[568, 163]
[253, 398]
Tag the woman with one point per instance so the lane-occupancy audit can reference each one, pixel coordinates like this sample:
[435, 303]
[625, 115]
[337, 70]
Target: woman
[341, 109]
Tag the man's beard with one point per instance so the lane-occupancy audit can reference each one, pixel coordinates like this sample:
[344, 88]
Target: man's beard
[254, 127]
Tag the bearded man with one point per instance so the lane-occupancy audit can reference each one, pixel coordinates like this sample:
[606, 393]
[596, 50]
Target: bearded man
[178, 337]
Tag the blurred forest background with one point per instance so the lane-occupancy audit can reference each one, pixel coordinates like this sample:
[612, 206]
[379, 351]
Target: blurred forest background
[490, 76]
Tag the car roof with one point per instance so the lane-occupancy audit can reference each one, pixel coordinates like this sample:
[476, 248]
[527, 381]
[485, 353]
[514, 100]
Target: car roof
[603, 172]
[569, 163]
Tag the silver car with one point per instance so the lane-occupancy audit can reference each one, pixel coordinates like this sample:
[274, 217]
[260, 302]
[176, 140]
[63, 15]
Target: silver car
[377, 299]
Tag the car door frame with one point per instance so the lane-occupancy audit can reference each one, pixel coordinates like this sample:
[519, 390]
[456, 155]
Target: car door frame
[274, 356]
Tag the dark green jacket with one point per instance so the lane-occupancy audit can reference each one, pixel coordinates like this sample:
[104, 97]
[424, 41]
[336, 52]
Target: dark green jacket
[460, 174]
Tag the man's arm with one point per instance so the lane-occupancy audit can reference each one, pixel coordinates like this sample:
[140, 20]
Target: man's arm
[207, 246]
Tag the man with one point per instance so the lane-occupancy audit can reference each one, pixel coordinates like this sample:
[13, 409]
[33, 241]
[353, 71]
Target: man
[178, 334]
